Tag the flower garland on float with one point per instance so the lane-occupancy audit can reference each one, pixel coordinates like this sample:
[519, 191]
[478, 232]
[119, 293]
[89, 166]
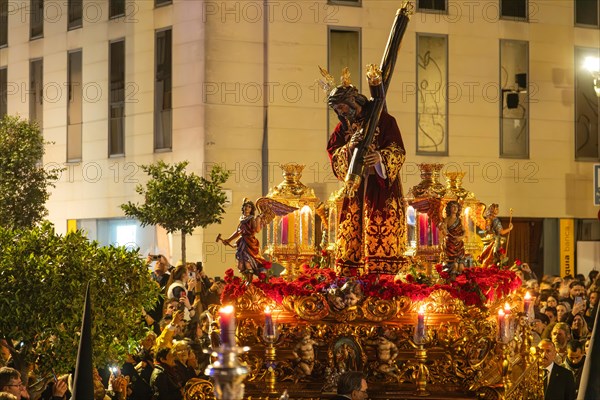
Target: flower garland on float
[475, 286]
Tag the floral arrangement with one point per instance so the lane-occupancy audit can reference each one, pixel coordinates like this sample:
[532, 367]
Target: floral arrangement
[474, 286]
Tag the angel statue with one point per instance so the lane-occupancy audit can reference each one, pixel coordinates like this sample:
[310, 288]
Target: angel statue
[493, 241]
[247, 246]
[454, 232]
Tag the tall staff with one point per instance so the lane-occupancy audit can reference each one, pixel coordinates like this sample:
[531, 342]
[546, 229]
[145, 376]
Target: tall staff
[379, 81]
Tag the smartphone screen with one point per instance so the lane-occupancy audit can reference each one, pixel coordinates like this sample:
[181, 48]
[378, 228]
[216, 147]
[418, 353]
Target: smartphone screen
[578, 299]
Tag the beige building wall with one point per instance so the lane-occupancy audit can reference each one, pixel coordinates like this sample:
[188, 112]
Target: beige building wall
[245, 96]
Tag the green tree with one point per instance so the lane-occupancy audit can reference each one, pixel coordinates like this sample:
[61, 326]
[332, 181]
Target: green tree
[43, 277]
[23, 180]
[179, 201]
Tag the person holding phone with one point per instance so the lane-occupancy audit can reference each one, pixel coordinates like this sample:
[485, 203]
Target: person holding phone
[176, 289]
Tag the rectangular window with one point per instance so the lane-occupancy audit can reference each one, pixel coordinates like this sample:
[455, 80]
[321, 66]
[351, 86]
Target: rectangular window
[116, 134]
[513, 9]
[3, 91]
[3, 23]
[120, 232]
[587, 92]
[355, 3]
[514, 103]
[74, 107]
[36, 21]
[432, 101]
[116, 8]
[36, 92]
[158, 3]
[344, 51]
[75, 8]
[432, 5]
[162, 91]
[586, 12]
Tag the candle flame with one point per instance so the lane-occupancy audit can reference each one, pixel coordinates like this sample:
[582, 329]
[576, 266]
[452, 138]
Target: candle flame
[268, 310]
[501, 313]
[507, 306]
[527, 296]
[226, 310]
[422, 309]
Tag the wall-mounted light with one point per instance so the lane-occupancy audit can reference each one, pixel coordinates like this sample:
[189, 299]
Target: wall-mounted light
[592, 64]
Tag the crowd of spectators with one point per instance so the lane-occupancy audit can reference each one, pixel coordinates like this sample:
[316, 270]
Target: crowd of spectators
[175, 349]
[181, 334]
[564, 314]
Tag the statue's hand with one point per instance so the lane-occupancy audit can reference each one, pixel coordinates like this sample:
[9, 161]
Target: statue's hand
[372, 157]
[356, 138]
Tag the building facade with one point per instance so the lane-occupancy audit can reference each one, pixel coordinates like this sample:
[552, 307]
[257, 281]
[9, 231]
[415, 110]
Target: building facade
[493, 88]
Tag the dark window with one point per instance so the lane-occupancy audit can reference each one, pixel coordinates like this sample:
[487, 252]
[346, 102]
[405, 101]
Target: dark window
[162, 2]
[75, 13]
[162, 91]
[436, 5]
[586, 12]
[3, 92]
[116, 134]
[3, 23]
[587, 105]
[513, 9]
[36, 92]
[346, 2]
[343, 51]
[36, 22]
[74, 107]
[116, 8]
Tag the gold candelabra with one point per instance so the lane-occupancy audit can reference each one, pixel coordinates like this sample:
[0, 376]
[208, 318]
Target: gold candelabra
[421, 374]
[270, 336]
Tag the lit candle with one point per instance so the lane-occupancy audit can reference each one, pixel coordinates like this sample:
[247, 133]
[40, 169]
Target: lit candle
[227, 323]
[284, 230]
[507, 321]
[501, 324]
[269, 327]
[527, 304]
[421, 323]
[422, 229]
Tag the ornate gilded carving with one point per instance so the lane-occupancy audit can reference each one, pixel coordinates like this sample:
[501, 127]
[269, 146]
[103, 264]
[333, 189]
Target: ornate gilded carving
[429, 185]
[461, 353]
[311, 308]
[198, 389]
[378, 310]
[253, 300]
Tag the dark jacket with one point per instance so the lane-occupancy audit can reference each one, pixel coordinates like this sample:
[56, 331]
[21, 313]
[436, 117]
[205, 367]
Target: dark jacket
[561, 385]
[163, 384]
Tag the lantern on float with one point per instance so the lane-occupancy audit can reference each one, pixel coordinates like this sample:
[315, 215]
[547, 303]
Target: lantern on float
[291, 238]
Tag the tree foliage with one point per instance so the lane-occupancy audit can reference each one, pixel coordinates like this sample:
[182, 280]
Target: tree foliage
[23, 180]
[43, 277]
[179, 201]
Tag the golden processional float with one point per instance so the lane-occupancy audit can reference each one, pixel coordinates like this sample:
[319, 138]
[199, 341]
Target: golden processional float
[421, 333]
[425, 332]
[442, 327]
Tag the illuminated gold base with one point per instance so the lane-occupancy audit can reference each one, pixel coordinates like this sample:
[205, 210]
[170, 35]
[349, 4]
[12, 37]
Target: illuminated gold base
[460, 357]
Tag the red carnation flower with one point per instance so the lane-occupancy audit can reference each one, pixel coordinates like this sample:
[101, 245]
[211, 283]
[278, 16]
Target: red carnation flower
[267, 265]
